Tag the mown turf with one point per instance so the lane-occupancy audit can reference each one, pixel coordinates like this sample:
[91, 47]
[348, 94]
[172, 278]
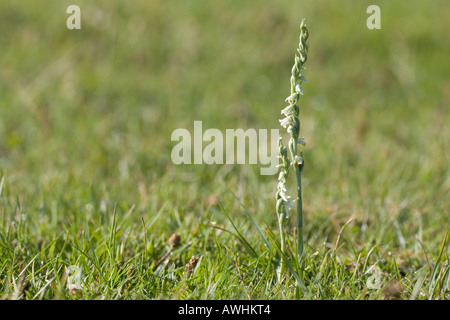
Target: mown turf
[86, 175]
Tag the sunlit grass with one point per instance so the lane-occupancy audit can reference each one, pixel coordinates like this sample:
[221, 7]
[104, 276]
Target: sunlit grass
[85, 124]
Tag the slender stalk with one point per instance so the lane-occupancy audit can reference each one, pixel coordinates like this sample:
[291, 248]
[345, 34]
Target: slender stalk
[299, 215]
[296, 81]
[292, 123]
[280, 270]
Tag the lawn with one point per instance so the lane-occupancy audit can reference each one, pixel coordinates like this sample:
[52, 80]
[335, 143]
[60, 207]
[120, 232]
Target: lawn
[86, 177]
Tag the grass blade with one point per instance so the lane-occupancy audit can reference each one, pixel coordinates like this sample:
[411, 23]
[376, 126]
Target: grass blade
[300, 283]
[247, 245]
[263, 237]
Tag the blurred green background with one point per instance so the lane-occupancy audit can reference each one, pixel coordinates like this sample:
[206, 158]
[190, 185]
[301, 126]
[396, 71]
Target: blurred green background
[98, 105]
[86, 115]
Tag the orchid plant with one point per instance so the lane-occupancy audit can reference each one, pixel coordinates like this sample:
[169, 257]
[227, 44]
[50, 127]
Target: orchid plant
[291, 123]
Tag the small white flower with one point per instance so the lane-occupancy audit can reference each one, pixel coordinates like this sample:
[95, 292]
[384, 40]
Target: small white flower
[288, 110]
[285, 196]
[289, 204]
[297, 161]
[285, 122]
[293, 98]
[283, 188]
[298, 88]
[282, 175]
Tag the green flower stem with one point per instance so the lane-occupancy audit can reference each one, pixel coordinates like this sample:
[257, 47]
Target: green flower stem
[292, 123]
[299, 214]
[281, 221]
[296, 80]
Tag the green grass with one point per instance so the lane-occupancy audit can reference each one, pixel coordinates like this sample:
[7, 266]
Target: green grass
[85, 124]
